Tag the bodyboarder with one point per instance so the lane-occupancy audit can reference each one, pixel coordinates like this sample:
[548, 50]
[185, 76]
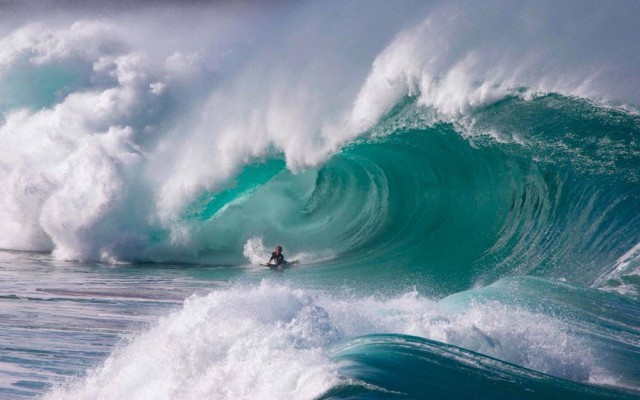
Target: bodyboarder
[277, 259]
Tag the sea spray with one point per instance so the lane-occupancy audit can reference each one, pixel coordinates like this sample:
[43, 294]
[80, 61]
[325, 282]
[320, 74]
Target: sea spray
[268, 343]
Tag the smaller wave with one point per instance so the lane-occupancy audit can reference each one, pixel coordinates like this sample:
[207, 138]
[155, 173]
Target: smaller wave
[414, 367]
[274, 341]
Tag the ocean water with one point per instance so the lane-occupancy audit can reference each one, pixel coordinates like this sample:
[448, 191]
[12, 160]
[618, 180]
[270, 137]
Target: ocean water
[460, 183]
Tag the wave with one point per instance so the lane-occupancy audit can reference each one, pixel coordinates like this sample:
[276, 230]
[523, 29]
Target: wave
[270, 339]
[484, 155]
[457, 208]
[110, 134]
[388, 366]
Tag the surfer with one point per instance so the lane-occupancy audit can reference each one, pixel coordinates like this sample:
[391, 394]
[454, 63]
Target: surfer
[278, 258]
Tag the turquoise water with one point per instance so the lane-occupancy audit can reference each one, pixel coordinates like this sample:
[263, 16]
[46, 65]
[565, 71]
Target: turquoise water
[430, 263]
[463, 207]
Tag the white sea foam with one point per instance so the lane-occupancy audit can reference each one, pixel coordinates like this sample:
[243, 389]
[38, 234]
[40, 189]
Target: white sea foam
[264, 342]
[255, 251]
[271, 341]
[505, 332]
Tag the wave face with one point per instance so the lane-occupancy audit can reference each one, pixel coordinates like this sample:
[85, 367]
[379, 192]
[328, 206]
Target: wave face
[483, 183]
[513, 192]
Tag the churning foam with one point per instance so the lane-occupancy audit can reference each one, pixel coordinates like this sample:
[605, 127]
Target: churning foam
[271, 341]
[265, 342]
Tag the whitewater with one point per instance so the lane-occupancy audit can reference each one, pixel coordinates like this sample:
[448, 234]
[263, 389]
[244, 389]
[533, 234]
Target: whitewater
[460, 183]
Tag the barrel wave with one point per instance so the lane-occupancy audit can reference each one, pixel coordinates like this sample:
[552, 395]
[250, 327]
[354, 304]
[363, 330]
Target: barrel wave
[517, 192]
[459, 182]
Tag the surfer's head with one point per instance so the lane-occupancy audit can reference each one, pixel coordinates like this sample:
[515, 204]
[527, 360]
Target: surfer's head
[278, 249]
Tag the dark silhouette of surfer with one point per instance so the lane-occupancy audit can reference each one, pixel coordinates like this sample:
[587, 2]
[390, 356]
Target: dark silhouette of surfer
[278, 262]
[277, 259]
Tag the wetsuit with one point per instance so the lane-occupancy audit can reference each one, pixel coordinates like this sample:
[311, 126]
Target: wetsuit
[278, 258]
